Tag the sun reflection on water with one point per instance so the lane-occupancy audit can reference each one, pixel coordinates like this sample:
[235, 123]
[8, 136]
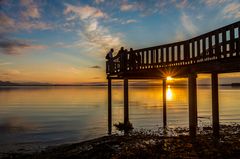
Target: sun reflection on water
[169, 93]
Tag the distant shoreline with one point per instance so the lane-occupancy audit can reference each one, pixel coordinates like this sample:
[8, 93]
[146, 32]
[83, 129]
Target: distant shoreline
[12, 84]
[105, 85]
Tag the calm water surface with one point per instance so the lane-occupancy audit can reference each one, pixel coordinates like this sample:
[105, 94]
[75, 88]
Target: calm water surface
[71, 114]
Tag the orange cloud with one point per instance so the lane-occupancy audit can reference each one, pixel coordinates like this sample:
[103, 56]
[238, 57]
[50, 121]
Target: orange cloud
[84, 12]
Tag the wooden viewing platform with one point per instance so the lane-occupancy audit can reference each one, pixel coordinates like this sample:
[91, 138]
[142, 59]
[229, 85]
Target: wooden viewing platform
[215, 52]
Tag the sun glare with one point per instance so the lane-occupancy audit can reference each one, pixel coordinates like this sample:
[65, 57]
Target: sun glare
[169, 78]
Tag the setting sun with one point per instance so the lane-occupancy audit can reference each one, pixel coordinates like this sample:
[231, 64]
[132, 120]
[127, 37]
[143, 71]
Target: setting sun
[169, 78]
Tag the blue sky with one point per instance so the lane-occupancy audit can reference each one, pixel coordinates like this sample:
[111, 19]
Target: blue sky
[66, 41]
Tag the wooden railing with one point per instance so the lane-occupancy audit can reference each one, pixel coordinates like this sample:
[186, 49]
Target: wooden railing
[215, 45]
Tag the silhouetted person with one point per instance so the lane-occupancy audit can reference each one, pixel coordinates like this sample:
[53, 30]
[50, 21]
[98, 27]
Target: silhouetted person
[132, 59]
[109, 57]
[120, 51]
[125, 59]
[120, 54]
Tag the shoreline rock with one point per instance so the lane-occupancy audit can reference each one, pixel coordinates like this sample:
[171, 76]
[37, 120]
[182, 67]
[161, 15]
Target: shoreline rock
[145, 144]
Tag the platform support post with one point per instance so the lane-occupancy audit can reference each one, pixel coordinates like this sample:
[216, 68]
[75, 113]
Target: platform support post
[126, 113]
[215, 105]
[164, 104]
[109, 106]
[192, 93]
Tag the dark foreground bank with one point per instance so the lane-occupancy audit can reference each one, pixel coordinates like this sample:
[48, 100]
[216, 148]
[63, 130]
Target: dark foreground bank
[142, 145]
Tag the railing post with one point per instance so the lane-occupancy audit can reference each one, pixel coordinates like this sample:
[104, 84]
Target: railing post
[192, 49]
[167, 54]
[232, 41]
[179, 52]
[210, 48]
[217, 46]
[157, 57]
[173, 54]
[215, 105]
[107, 67]
[204, 47]
[162, 56]
[186, 51]
[147, 57]
[192, 93]
[164, 104]
[109, 106]
[198, 48]
[238, 41]
[142, 59]
[224, 43]
[152, 58]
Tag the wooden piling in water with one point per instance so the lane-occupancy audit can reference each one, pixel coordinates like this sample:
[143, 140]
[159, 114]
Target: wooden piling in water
[164, 104]
[215, 105]
[192, 92]
[126, 113]
[109, 106]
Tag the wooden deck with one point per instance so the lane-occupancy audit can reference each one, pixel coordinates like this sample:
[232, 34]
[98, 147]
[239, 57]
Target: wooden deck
[215, 52]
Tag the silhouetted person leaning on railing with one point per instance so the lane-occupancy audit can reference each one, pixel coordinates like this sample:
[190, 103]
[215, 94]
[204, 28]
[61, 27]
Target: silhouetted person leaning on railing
[121, 54]
[133, 59]
[109, 57]
[138, 60]
[125, 60]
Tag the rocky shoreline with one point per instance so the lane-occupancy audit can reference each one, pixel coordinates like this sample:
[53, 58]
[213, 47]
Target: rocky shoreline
[146, 144]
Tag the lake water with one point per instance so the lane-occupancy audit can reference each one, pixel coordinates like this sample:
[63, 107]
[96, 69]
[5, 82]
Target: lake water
[72, 114]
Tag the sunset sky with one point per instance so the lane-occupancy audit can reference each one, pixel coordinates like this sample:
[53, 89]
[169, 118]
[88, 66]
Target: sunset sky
[66, 41]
